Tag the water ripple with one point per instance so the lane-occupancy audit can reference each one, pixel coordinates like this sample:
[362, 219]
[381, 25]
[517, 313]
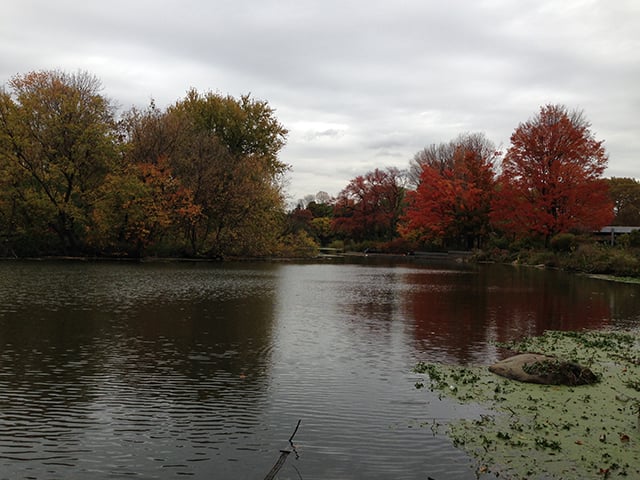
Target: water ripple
[160, 371]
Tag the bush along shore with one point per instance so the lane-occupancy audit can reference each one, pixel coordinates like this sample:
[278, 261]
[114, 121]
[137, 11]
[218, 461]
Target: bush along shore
[551, 431]
[571, 252]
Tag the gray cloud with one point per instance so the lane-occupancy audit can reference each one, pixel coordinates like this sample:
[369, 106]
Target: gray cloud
[359, 84]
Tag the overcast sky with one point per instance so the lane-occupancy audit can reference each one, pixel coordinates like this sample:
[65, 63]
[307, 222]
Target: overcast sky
[359, 84]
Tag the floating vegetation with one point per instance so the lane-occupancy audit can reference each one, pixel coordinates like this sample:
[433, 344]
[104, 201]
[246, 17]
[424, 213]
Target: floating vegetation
[615, 278]
[552, 431]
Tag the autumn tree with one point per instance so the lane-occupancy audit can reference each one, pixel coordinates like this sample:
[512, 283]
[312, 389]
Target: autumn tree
[313, 214]
[320, 205]
[57, 144]
[299, 219]
[625, 194]
[442, 157]
[230, 162]
[438, 157]
[201, 177]
[551, 177]
[321, 229]
[452, 201]
[150, 134]
[370, 206]
[141, 208]
[224, 151]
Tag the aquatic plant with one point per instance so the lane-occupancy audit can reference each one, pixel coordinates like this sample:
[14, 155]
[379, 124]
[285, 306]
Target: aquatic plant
[588, 431]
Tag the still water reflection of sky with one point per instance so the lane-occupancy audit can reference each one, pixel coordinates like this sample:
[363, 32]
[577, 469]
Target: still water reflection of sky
[202, 370]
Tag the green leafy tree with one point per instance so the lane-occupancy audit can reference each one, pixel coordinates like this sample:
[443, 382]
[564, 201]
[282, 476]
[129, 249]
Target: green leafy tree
[625, 193]
[57, 143]
[321, 209]
[321, 229]
[236, 175]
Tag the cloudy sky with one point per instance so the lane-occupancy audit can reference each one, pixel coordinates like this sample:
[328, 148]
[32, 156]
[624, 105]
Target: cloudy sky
[359, 84]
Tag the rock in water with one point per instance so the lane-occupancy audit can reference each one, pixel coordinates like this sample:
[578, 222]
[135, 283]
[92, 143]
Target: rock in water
[543, 369]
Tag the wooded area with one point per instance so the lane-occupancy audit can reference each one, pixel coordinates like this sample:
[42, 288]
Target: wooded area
[203, 178]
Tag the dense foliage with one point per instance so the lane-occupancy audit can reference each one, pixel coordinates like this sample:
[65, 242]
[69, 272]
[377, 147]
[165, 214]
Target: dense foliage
[370, 206]
[551, 177]
[57, 144]
[625, 194]
[461, 195]
[452, 201]
[201, 178]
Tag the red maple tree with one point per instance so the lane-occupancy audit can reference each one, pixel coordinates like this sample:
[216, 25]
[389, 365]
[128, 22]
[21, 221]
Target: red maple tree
[551, 177]
[370, 205]
[452, 201]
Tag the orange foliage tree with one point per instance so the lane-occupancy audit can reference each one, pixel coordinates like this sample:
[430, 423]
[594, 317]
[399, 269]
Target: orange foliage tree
[551, 177]
[454, 193]
[140, 207]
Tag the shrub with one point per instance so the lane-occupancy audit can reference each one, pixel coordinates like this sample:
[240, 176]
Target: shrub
[297, 245]
[527, 244]
[624, 263]
[397, 245]
[634, 238]
[337, 244]
[596, 258]
[364, 246]
[563, 242]
[497, 242]
[540, 257]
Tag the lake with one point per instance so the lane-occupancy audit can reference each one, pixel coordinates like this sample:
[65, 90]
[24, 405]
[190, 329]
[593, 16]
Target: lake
[202, 370]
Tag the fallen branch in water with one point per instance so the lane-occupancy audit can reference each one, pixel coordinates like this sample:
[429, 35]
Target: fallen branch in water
[276, 468]
[283, 455]
[294, 434]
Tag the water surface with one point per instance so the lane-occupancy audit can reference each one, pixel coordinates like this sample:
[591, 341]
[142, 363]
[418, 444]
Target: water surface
[160, 371]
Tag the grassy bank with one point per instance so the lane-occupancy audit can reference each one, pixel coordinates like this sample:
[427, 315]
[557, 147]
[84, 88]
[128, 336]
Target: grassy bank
[540, 431]
[590, 258]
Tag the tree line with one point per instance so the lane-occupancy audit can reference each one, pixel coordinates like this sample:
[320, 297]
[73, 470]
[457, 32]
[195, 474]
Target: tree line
[465, 193]
[203, 178]
[199, 178]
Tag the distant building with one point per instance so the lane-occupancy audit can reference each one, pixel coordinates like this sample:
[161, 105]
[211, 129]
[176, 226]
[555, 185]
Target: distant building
[611, 231]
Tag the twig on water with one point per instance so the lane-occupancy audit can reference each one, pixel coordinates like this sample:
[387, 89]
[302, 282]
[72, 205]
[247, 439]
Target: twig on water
[283, 456]
[294, 433]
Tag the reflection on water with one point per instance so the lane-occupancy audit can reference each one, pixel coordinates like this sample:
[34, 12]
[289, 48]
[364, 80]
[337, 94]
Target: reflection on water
[114, 370]
[202, 370]
[461, 314]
